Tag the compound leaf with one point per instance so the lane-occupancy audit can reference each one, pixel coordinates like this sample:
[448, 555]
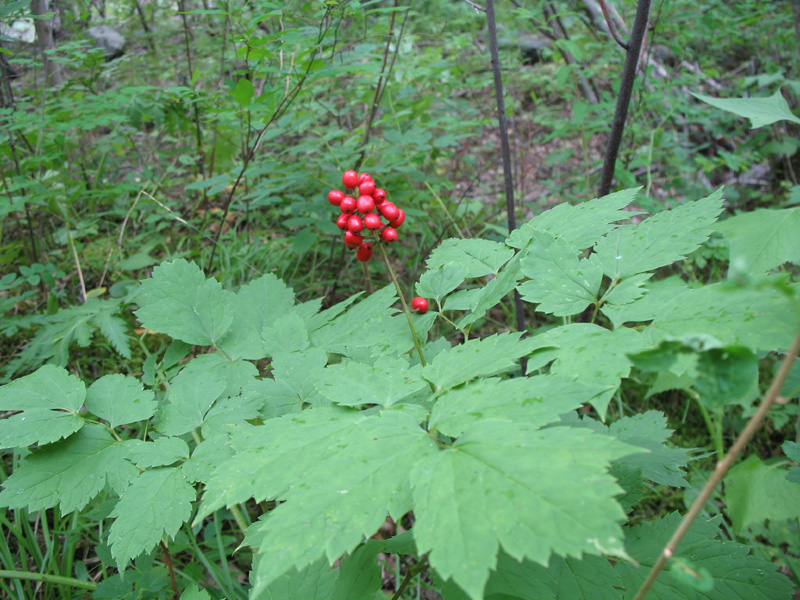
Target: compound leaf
[535, 492]
[50, 399]
[736, 574]
[559, 282]
[179, 301]
[762, 239]
[348, 470]
[157, 503]
[435, 284]
[115, 330]
[120, 400]
[256, 305]
[658, 241]
[386, 382]
[475, 358]
[537, 400]
[580, 226]
[478, 257]
[158, 453]
[70, 472]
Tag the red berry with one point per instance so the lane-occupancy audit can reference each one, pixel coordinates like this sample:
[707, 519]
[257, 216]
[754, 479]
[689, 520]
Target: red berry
[364, 252]
[419, 305]
[348, 204]
[372, 222]
[388, 210]
[389, 235]
[352, 239]
[379, 195]
[335, 197]
[364, 177]
[367, 188]
[355, 224]
[350, 179]
[341, 222]
[399, 220]
[365, 204]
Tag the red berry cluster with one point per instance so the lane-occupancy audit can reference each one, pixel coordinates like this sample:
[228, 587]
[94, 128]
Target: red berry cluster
[368, 200]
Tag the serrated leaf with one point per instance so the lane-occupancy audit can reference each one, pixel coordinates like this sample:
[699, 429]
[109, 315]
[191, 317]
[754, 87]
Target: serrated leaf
[243, 92]
[737, 575]
[51, 399]
[559, 282]
[661, 464]
[726, 375]
[658, 241]
[287, 334]
[588, 351]
[69, 473]
[313, 582]
[656, 295]
[206, 457]
[179, 301]
[355, 327]
[156, 504]
[477, 257]
[49, 387]
[762, 239]
[756, 491]
[115, 331]
[627, 290]
[760, 319]
[536, 400]
[475, 358]
[580, 226]
[195, 593]
[486, 297]
[760, 111]
[348, 471]
[191, 394]
[120, 400]
[295, 376]
[435, 284]
[386, 382]
[256, 306]
[536, 492]
[159, 453]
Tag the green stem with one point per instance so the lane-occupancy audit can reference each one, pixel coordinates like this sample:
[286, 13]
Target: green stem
[444, 208]
[405, 308]
[45, 578]
[239, 518]
[410, 574]
[714, 429]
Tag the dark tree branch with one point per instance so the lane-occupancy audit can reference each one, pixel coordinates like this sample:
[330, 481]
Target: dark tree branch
[612, 29]
[506, 151]
[625, 91]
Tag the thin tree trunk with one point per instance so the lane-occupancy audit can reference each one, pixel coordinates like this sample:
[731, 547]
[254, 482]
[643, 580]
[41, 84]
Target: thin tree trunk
[44, 39]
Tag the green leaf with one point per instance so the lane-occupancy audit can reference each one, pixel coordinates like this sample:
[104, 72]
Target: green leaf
[348, 471]
[726, 375]
[159, 453]
[313, 582]
[386, 382]
[256, 307]
[475, 358]
[243, 93]
[155, 505]
[478, 257]
[69, 473]
[179, 301]
[486, 297]
[120, 400]
[647, 307]
[294, 384]
[661, 464]
[658, 241]
[535, 492]
[287, 334]
[580, 226]
[435, 284]
[559, 282]
[756, 491]
[588, 351]
[760, 319]
[737, 574]
[195, 593]
[627, 290]
[115, 331]
[792, 451]
[536, 400]
[760, 111]
[193, 391]
[51, 399]
[356, 327]
[763, 239]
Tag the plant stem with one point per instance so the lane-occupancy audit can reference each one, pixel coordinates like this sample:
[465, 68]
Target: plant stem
[45, 578]
[410, 574]
[405, 308]
[722, 468]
